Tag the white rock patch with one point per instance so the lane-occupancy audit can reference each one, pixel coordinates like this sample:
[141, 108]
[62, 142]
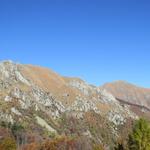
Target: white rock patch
[8, 99]
[43, 123]
[15, 111]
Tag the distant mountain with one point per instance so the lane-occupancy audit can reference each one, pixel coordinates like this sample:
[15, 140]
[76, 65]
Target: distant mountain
[129, 92]
[45, 104]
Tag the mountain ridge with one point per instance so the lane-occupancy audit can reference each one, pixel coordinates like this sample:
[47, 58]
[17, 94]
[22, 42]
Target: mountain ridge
[129, 92]
[46, 102]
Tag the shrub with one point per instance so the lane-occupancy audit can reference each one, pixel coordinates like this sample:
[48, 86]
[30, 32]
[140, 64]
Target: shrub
[8, 144]
[31, 146]
[98, 147]
[61, 143]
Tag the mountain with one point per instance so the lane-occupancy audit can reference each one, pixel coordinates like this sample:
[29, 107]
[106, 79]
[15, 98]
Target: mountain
[46, 104]
[129, 93]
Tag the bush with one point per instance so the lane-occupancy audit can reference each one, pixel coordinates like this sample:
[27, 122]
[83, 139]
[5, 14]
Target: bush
[98, 147]
[8, 144]
[32, 146]
[61, 143]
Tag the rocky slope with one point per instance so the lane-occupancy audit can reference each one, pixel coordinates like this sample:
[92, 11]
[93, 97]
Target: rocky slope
[43, 101]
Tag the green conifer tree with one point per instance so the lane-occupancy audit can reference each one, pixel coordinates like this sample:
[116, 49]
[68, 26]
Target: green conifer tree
[139, 139]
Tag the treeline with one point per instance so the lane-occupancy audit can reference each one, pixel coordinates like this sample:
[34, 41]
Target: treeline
[16, 137]
[13, 137]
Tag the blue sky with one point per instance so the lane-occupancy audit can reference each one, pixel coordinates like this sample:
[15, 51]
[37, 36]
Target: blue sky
[97, 40]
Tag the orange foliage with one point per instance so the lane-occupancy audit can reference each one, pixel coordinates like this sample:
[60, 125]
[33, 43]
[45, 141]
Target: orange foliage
[62, 143]
[32, 146]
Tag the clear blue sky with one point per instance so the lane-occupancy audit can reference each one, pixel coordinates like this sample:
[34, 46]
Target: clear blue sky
[98, 40]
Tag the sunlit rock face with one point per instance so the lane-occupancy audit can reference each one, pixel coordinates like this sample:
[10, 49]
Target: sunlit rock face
[10, 72]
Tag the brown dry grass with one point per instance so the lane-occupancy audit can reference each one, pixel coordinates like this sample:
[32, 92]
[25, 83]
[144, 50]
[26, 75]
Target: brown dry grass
[50, 82]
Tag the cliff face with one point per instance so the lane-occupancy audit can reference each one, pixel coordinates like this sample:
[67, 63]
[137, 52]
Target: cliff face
[42, 100]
